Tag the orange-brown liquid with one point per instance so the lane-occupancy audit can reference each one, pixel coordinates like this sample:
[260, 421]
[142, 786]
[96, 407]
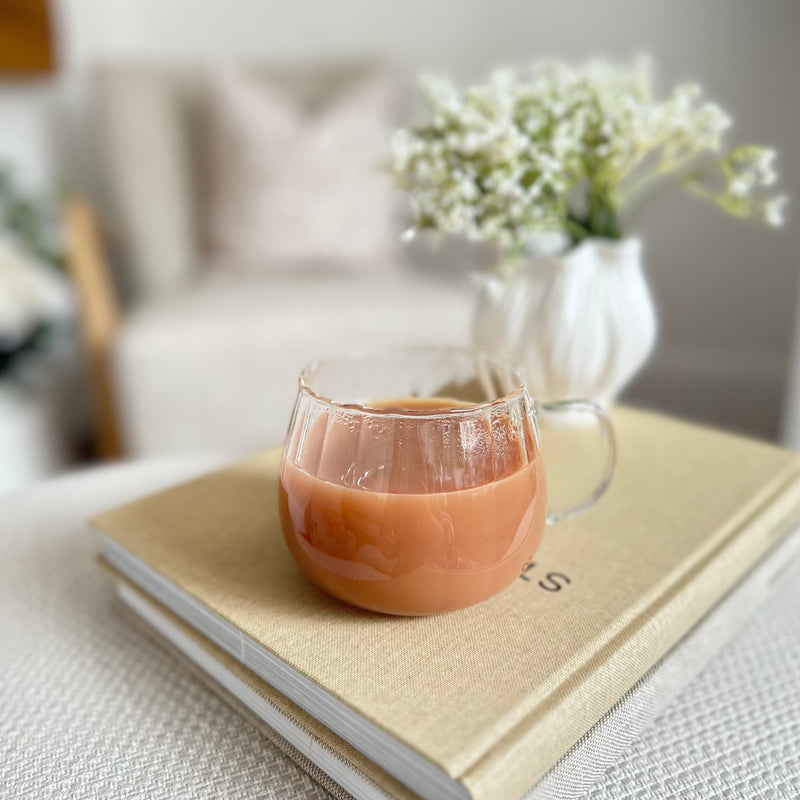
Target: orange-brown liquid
[434, 525]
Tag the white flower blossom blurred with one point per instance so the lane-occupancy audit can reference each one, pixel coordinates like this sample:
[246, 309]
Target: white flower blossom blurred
[30, 293]
[556, 149]
[774, 210]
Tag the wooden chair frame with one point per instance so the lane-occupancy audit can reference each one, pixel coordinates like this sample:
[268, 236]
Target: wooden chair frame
[99, 317]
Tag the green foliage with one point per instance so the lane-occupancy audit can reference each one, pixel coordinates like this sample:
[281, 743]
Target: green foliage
[32, 231]
[32, 221]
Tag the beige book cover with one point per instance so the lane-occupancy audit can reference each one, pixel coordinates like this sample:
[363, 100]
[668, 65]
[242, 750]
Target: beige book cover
[495, 694]
[190, 641]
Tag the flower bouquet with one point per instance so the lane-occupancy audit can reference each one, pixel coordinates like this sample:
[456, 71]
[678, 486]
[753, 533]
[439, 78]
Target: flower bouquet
[550, 163]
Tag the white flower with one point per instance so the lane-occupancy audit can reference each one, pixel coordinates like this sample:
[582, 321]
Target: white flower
[741, 186]
[441, 93]
[30, 294]
[774, 210]
[747, 170]
[764, 165]
[532, 150]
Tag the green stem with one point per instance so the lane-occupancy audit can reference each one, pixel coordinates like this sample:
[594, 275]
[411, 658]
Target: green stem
[603, 219]
[576, 229]
[664, 169]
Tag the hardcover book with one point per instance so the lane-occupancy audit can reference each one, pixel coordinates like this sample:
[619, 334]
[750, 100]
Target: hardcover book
[346, 773]
[477, 703]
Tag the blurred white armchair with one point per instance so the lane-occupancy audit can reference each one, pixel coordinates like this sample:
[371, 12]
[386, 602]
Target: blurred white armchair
[205, 351]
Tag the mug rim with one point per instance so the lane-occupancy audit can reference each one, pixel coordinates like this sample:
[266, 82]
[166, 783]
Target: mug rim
[519, 390]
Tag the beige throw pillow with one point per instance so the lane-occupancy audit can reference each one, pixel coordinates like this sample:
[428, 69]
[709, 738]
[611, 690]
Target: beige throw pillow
[288, 188]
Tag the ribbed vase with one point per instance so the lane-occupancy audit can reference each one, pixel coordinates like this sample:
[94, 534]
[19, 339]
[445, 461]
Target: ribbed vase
[580, 325]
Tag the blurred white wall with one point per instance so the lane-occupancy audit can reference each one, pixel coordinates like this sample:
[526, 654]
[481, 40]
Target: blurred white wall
[727, 292]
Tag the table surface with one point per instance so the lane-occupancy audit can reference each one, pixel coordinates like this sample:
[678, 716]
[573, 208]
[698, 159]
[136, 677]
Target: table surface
[90, 707]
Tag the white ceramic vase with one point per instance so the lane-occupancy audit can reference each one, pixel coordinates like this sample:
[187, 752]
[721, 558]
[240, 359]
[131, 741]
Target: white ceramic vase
[580, 324]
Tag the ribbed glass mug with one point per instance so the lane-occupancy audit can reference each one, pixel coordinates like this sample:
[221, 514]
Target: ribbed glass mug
[412, 481]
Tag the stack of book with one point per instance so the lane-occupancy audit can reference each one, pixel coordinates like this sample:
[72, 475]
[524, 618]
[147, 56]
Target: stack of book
[537, 690]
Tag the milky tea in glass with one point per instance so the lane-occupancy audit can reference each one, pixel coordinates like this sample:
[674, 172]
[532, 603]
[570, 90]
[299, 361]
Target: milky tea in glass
[412, 482]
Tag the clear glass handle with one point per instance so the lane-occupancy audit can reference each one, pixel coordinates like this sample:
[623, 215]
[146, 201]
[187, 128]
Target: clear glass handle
[574, 410]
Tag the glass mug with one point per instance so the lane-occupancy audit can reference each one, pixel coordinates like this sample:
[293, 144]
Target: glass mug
[412, 481]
